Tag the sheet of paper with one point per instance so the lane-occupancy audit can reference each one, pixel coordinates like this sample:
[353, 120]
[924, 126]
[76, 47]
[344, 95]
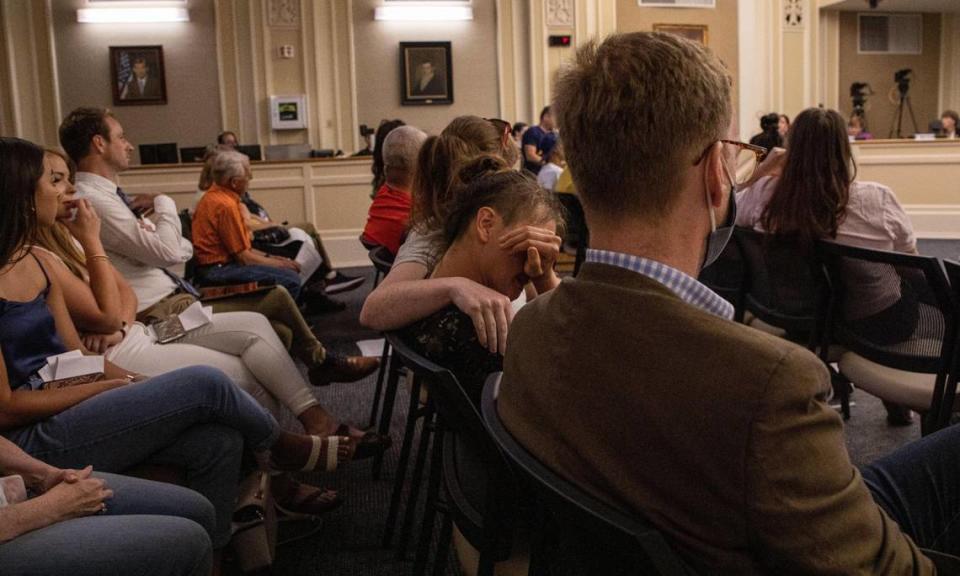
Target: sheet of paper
[195, 316]
[70, 367]
[309, 260]
[370, 347]
[49, 372]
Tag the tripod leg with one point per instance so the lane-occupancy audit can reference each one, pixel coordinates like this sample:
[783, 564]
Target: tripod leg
[912, 117]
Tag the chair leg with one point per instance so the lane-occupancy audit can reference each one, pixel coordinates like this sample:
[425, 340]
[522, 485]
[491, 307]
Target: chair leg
[401, 472]
[443, 546]
[841, 387]
[386, 414]
[538, 544]
[426, 431]
[381, 374]
[430, 511]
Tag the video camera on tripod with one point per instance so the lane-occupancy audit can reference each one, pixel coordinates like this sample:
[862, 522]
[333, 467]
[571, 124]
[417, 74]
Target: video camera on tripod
[858, 93]
[902, 78]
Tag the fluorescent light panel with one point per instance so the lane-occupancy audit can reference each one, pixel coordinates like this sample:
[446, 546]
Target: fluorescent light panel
[129, 15]
[423, 13]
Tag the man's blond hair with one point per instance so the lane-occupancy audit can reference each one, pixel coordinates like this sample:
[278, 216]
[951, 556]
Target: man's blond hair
[635, 113]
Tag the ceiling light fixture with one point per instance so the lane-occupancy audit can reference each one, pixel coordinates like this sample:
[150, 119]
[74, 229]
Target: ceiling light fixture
[132, 15]
[423, 13]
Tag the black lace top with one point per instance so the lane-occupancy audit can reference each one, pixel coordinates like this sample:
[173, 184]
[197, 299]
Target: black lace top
[448, 338]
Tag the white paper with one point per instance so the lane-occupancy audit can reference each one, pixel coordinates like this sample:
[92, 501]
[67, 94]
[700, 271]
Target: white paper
[49, 372]
[370, 347]
[309, 260]
[70, 367]
[195, 316]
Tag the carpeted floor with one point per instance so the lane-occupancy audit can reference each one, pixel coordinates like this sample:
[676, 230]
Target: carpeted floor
[346, 542]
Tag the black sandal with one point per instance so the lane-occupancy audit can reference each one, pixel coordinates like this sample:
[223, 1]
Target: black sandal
[369, 445]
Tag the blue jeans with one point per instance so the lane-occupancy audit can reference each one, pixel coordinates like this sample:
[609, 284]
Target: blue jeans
[149, 528]
[193, 419]
[918, 485]
[233, 273]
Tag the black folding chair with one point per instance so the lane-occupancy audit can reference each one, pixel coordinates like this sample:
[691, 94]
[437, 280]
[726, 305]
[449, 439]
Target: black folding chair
[626, 544]
[895, 316]
[382, 260]
[952, 269]
[416, 412]
[781, 283]
[479, 490]
[186, 230]
[577, 234]
[727, 277]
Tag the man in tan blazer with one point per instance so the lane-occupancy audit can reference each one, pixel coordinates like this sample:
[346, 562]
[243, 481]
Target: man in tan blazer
[632, 381]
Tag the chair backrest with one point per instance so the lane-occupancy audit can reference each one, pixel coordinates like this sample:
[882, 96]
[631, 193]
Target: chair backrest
[952, 269]
[892, 308]
[382, 259]
[639, 545]
[459, 418]
[158, 153]
[186, 230]
[726, 276]
[287, 151]
[193, 154]
[253, 151]
[781, 286]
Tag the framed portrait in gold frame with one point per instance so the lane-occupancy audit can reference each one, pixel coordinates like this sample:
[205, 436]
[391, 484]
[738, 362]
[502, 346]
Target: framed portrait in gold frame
[695, 32]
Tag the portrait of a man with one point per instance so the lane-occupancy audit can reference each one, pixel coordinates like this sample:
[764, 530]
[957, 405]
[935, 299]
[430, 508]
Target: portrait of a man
[138, 75]
[427, 74]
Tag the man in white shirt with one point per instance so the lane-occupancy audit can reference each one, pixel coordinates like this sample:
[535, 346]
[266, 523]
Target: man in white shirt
[143, 249]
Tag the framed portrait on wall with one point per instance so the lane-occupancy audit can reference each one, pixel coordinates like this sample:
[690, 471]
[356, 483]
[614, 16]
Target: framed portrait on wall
[426, 73]
[695, 32]
[137, 75]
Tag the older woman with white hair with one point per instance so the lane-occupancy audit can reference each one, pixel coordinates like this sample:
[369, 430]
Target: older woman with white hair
[222, 244]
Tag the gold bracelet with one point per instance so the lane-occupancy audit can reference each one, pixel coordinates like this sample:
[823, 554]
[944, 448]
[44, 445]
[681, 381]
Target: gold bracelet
[98, 257]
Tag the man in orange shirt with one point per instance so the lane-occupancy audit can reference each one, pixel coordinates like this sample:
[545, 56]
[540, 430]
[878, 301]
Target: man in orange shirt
[388, 215]
[221, 241]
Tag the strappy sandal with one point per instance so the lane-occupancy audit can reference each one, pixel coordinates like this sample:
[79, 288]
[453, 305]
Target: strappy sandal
[367, 446]
[332, 457]
[288, 514]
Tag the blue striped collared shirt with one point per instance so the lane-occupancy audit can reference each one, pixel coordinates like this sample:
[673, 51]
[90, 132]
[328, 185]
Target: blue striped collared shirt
[688, 289]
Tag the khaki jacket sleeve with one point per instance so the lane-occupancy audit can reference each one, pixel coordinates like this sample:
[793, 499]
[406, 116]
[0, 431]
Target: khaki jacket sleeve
[808, 509]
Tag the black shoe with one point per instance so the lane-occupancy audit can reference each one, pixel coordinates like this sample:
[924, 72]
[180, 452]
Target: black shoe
[342, 283]
[318, 303]
[898, 414]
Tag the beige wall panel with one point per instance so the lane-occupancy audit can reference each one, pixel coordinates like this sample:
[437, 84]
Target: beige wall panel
[721, 22]
[878, 71]
[191, 116]
[794, 99]
[341, 205]
[919, 172]
[378, 69]
[950, 63]
[8, 107]
[29, 79]
[332, 194]
[285, 204]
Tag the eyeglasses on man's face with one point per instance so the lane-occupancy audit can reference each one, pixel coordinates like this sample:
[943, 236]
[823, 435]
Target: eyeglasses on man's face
[744, 158]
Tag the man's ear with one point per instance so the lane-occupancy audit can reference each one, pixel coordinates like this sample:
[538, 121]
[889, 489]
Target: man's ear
[99, 143]
[483, 222]
[716, 179]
